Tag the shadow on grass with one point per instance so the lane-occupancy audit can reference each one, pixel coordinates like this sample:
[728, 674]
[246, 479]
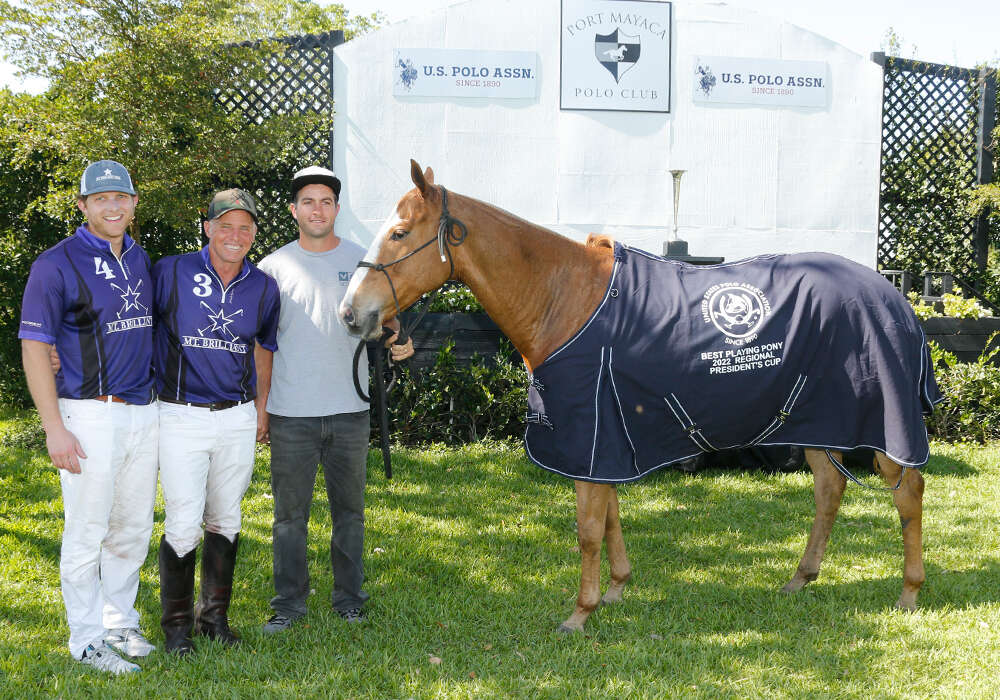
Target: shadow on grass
[942, 465]
[763, 531]
[469, 557]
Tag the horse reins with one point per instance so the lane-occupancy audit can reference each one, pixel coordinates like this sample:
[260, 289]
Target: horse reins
[446, 236]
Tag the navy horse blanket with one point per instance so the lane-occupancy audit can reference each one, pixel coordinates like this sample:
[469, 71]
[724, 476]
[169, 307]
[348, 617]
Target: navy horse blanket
[808, 349]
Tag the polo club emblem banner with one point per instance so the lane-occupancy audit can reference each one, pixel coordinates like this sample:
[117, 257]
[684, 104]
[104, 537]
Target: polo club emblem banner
[615, 55]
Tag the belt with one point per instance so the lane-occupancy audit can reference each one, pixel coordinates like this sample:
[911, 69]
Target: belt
[211, 406]
[108, 398]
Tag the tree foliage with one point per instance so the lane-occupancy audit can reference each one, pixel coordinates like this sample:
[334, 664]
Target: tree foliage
[137, 82]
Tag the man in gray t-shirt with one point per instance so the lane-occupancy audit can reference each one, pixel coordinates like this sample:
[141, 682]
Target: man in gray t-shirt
[313, 414]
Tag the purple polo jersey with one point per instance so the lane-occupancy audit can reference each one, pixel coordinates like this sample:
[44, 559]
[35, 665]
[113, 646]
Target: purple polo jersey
[205, 333]
[96, 309]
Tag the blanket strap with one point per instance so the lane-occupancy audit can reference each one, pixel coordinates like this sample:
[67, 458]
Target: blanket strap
[539, 418]
[784, 412]
[688, 425]
[847, 473]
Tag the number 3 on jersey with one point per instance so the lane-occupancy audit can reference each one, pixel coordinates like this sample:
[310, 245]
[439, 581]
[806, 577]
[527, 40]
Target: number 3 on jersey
[204, 283]
[101, 268]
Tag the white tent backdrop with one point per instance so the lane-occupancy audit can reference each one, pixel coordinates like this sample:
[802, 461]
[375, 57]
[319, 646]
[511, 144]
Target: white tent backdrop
[758, 178]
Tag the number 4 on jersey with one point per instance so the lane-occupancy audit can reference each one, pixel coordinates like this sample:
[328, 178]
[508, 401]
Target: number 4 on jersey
[101, 268]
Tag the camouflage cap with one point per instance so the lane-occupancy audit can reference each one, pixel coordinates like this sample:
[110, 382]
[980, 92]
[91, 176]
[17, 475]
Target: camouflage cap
[228, 200]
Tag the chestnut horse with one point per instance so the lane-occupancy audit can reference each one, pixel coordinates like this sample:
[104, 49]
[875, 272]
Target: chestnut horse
[540, 288]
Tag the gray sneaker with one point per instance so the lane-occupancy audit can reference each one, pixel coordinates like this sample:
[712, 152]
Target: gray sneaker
[278, 623]
[353, 615]
[129, 642]
[104, 658]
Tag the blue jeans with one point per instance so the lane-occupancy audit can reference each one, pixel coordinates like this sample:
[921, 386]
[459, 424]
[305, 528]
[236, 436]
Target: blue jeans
[298, 446]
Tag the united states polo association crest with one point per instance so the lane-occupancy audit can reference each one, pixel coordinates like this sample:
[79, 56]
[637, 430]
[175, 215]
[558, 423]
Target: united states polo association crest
[736, 309]
[617, 51]
[406, 73]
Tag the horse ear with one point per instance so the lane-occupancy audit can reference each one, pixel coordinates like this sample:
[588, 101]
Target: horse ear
[418, 177]
[429, 175]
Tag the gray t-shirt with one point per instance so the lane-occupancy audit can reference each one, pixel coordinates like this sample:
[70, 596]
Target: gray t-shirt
[313, 373]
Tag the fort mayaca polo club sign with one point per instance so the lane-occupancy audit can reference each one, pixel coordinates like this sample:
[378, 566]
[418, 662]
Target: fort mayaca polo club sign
[615, 55]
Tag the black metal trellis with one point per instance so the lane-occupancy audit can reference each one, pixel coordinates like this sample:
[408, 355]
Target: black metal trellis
[937, 124]
[299, 82]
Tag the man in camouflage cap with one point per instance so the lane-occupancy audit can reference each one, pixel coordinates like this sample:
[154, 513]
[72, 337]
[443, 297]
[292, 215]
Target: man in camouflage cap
[212, 308]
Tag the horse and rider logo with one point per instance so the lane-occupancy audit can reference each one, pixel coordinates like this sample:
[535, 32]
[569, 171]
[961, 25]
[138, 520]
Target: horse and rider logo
[706, 79]
[406, 72]
[617, 51]
[736, 309]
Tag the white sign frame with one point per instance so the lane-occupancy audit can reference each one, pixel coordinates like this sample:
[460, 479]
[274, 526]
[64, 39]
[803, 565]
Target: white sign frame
[465, 73]
[765, 82]
[596, 39]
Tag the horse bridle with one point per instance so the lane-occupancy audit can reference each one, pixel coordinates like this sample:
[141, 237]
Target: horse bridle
[446, 237]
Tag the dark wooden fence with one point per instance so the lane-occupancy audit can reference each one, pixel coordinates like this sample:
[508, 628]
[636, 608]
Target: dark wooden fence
[475, 335]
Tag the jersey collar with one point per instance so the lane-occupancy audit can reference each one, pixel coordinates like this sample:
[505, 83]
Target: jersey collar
[84, 234]
[244, 271]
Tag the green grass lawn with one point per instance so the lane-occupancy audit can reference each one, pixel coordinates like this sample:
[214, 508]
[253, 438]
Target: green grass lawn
[471, 564]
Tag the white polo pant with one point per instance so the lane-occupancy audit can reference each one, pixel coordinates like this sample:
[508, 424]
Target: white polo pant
[206, 461]
[108, 511]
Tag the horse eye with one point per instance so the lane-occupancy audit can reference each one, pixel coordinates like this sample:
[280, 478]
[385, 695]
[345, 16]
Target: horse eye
[399, 234]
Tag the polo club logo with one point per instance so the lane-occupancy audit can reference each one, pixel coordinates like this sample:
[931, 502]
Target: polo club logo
[737, 309]
[617, 51]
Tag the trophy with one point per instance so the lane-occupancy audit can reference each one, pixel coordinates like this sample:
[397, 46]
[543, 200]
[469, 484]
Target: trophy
[675, 247]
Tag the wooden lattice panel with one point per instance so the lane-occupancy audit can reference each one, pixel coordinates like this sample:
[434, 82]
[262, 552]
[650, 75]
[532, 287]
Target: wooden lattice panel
[929, 151]
[300, 82]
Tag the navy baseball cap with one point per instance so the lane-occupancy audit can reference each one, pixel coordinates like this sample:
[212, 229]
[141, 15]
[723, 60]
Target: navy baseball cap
[105, 176]
[315, 175]
[228, 200]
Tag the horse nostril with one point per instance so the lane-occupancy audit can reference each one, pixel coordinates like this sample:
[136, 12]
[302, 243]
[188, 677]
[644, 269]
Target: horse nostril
[348, 315]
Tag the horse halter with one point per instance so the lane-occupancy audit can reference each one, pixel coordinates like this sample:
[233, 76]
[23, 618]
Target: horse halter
[446, 236]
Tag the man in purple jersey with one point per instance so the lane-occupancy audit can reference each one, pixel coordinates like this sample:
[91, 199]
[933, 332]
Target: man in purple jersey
[90, 297]
[212, 308]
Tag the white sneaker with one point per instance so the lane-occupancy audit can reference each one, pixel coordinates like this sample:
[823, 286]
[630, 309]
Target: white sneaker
[129, 642]
[104, 658]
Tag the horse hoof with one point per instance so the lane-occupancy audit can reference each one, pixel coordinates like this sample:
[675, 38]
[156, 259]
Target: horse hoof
[798, 582]
[793, 586]
[610, 598]
[566, 629]
[907, 605]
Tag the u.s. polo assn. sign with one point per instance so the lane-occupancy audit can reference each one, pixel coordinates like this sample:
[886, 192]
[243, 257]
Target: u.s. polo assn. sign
[759, 81]
[615, 55]
[464, 73]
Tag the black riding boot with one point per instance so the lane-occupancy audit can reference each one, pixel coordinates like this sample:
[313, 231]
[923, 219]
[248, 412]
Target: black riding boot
[218, 559]
[176, 597]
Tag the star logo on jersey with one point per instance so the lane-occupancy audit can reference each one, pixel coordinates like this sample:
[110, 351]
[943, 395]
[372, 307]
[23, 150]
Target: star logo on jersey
[130, 302]
[219, 321]
[130, 299]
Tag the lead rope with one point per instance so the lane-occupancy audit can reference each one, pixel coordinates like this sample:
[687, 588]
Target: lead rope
[446, 237]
